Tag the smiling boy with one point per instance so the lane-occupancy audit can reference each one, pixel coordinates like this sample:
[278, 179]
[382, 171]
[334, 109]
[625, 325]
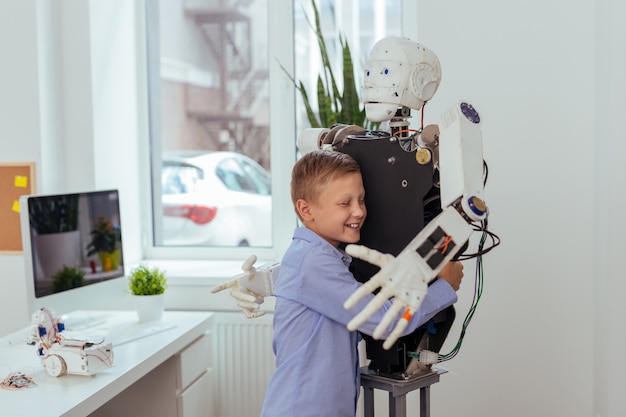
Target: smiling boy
[317, 363]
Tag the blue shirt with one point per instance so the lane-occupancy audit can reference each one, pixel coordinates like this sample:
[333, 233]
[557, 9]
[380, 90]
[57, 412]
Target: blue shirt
[317, 363]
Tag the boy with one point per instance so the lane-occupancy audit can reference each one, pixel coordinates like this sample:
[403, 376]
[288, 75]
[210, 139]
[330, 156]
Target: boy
[317, 364]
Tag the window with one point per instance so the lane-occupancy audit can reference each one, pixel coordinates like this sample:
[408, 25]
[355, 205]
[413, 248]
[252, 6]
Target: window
[222, 141]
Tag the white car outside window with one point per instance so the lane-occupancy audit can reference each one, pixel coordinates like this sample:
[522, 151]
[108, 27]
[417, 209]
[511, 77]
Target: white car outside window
[215, 199]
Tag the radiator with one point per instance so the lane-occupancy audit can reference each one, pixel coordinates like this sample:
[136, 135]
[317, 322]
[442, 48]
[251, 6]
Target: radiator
[243, 363]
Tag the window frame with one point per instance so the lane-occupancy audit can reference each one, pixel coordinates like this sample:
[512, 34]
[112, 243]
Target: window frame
[283, 135]
[282, 156]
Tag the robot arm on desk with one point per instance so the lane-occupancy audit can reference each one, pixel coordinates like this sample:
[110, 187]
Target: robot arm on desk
[402, 75]
[61, 355]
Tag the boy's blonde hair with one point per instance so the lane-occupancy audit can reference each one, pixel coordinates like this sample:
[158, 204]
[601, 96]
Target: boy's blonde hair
[313, 171]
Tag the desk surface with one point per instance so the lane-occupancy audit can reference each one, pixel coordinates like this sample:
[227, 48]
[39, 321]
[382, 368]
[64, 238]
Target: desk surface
[77, 395]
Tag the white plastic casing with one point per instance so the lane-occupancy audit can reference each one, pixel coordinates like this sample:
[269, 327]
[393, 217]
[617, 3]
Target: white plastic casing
[461, 158]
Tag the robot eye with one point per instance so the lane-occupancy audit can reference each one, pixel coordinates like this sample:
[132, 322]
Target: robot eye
[367, 73]
[386, 71]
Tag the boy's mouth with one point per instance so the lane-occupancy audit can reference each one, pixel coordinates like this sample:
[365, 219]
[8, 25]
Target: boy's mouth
[353, 225]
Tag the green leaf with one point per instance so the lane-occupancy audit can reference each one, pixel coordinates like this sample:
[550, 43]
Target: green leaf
[310, 114]
[351, 102]
[147, 281]
[327, 115]
[68, 277]
[333, 106]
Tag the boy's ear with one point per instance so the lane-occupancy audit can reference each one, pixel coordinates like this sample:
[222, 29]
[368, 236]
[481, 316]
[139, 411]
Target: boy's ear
[304, 209]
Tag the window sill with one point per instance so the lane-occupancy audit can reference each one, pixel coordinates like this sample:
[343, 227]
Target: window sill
[193, 272]
[190, 283]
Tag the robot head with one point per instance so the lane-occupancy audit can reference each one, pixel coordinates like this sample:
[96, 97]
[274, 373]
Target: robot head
[398, 72]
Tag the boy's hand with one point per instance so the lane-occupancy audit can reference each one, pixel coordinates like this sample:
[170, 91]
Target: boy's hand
[453, 274]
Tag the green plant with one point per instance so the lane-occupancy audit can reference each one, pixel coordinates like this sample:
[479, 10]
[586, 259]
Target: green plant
[147, 281]
[333, 105]
[54, 214]
[67, 278]
[104, 237]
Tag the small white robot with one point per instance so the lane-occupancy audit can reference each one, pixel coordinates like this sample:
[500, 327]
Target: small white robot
[60, 355]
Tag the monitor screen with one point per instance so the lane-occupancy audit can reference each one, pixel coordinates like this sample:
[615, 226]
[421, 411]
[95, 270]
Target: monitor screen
[72, 242]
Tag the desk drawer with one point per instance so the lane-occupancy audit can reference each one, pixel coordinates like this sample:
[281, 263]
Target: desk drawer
[197, 400]
[193, 361]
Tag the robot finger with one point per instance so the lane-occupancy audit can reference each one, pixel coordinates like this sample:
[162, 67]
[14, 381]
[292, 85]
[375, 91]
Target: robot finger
[372, 307]
[248, 305]
[397, 332]
[383, 326]
[248, 264]
[370, 255]
[242, 296]
[252, 314]
[225, 285]
[361, 292]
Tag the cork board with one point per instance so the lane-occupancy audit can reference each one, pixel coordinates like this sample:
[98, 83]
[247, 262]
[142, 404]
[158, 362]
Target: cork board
[16, 179]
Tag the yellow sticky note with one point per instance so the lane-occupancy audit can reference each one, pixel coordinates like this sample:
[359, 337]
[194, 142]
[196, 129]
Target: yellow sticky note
[16, 206]
[21, 181]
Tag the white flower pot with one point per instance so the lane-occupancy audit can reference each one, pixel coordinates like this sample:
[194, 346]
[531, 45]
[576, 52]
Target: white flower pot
[55, 250]
[149, 307]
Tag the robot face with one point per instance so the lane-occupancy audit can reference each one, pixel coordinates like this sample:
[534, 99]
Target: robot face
[383, 88]
[398, 72]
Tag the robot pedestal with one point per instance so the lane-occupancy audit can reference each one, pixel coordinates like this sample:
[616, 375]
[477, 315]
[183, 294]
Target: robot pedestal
[398, 389]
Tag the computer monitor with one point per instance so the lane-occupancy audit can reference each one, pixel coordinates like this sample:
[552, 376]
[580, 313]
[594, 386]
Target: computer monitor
[73, 254]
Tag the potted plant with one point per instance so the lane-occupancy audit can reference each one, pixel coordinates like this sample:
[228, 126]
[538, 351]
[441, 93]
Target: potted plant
[148, 286]
[54, 214]
[105, 239]
[67, 278]
[334, 106]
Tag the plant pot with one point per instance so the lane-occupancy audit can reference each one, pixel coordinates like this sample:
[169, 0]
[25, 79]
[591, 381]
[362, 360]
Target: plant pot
[109, 261]
[149, 307]
[56, 250]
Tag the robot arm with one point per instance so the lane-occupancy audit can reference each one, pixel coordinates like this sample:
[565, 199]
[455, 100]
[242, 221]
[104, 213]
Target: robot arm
[60, 355]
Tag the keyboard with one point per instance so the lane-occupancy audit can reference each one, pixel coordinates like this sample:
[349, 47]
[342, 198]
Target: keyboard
[125, 333]
[84, 320]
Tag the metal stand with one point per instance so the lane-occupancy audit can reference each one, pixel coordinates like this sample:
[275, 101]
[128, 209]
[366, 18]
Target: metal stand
[398, 389]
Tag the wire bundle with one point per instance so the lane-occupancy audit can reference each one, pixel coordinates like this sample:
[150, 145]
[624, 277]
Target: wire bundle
[478, 290]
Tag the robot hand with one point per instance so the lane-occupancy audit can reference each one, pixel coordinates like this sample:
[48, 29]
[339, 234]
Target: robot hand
[251, 287]
[406, 276]
[395, 278]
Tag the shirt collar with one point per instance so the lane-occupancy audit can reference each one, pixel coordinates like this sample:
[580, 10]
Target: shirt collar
[310, 236]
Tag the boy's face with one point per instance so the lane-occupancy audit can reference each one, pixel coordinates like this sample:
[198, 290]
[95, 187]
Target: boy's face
[339, 212]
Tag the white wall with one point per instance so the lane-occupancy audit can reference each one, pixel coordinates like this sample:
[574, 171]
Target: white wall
[610, 198]
[548, 79]
[19, 132]
[80, 137]
[553, 138]
[528, 348]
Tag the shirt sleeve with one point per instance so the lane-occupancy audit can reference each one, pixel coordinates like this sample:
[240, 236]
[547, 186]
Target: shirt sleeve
[325, 283]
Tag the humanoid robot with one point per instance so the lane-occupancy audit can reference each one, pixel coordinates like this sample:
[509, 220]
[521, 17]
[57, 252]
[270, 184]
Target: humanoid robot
[408, 177]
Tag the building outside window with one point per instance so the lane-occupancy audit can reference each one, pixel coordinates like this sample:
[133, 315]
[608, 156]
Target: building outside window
[219, 172]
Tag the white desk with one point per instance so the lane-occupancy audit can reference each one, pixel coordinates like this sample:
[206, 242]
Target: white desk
[156, 375]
